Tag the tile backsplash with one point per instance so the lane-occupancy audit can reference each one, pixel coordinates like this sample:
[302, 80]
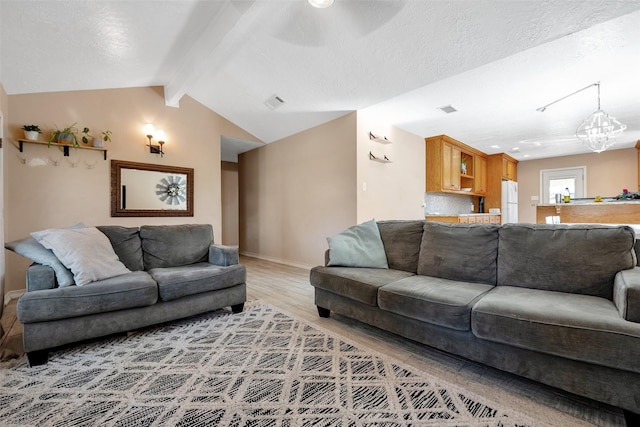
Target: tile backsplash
[447, 204]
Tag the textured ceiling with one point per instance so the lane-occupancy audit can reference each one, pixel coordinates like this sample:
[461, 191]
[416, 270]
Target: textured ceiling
[495, 61]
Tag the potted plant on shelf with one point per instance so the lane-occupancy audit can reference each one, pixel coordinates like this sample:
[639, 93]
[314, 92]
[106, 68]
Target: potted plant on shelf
[31, 132]
[98, 142]
[86, 136]
[65, 136]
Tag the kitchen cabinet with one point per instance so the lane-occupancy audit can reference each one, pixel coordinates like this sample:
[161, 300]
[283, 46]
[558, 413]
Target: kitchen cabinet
[500, 167]
[466, 218]
[452, 167]
[480, 179]
[509, 168]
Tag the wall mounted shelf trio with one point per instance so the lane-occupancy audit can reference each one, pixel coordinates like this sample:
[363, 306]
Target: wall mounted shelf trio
[381, 140]
[65, 147]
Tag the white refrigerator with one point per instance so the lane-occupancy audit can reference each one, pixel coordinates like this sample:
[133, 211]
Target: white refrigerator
[509, 208]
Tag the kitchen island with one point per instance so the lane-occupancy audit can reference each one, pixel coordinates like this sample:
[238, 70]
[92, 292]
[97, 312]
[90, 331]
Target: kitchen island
[606, 212]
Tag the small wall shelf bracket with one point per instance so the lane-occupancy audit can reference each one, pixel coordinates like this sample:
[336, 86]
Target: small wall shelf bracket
[380, 139]
[383, 159]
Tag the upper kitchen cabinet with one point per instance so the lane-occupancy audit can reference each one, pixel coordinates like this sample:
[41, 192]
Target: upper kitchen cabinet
[453, 167]
[480, 179]
[504, 166]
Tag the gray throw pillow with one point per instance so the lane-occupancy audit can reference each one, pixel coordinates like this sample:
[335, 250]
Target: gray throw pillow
[358, 246]
[30, 248]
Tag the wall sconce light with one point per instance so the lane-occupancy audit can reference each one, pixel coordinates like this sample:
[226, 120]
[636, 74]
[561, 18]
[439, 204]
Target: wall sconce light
[160, 136]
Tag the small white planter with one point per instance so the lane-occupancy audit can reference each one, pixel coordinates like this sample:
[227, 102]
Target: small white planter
[31, 135]
[97, 142]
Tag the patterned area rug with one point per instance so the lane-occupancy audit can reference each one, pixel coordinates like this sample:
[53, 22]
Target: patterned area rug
[257, 368]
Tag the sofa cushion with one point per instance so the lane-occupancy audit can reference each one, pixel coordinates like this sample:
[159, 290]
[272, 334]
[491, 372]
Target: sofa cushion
[136, 289]
[358, 246]
[30, 248]
[360, 284]
[463, 252]
[581, 259]
[176, 282]
[430, 299]
[401, 241]
[87, 252]
[578, 327]
[175, 245]
[126, 244]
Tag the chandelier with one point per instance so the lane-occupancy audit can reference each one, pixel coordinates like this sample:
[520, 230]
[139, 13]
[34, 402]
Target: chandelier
[597, 131]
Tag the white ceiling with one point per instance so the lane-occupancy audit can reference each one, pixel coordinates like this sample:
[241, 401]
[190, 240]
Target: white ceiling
[495, 61]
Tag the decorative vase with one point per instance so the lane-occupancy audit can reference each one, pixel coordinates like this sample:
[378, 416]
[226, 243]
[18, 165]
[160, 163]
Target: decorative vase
[97, 142]
[31, 135]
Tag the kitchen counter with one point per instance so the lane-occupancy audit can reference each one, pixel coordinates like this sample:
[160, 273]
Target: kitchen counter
[607, 212]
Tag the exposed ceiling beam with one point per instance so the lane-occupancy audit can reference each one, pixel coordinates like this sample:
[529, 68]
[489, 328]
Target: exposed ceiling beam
[213, 45]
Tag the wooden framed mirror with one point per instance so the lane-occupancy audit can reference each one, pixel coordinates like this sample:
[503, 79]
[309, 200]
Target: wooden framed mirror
[143, 189]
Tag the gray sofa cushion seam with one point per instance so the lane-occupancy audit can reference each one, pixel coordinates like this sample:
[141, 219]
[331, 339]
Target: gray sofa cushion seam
[470, 304]
[524, 319]
[35, 297]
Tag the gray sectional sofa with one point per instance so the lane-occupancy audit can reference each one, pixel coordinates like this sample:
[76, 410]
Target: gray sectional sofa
[175, 271]
[557, 304]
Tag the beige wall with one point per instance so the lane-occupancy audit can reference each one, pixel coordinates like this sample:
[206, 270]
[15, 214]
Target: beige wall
[58, 196]
[230, 208]
[297, 191]
[607, 174]
[389, 190]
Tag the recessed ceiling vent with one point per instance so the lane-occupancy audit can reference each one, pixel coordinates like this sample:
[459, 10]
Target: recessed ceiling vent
[273, 102]
[448, 109]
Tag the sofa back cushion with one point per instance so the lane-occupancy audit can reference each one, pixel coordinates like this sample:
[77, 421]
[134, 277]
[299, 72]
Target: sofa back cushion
[582, 259]
[175, 245]
[464, 252]
[126, 244]
[401, 241]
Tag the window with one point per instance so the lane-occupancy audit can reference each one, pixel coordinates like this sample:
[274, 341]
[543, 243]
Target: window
[554, 181]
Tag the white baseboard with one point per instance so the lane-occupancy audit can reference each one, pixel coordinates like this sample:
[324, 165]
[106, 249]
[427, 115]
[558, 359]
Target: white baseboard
[11, 295]
[277, 260]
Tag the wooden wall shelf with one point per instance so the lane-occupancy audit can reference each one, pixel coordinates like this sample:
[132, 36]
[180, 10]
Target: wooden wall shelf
[65, 147]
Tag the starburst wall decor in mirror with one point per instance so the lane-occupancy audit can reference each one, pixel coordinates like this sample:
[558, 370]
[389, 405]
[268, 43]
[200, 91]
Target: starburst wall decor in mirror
[143, 189]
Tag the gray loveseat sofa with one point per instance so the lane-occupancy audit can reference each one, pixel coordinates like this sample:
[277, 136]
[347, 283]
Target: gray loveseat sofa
[557, 304]
[176, 272]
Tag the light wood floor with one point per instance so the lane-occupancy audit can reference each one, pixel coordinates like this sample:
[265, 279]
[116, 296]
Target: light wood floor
[288, 288]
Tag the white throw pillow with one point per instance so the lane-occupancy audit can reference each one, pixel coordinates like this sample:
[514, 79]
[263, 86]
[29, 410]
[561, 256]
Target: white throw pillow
[358, 246]
[87, 252]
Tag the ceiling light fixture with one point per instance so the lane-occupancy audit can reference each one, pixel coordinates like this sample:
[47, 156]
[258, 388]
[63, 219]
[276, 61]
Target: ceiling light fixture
[320, 4]
[598, 130]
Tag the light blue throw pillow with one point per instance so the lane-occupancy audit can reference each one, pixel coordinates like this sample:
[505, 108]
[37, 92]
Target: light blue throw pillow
[358, 246]
[30, 248]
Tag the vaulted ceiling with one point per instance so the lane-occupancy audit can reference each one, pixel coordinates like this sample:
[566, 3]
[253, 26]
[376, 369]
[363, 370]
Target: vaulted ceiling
[495, 61]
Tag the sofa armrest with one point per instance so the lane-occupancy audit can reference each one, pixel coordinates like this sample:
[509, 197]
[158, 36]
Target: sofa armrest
[223, 255]
[40, 277]
[626, 294]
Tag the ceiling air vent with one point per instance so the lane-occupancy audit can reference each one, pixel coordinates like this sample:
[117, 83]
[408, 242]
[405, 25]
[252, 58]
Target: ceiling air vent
[273, 102]
[448, 109]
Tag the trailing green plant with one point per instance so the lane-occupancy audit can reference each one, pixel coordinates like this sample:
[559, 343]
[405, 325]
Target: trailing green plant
[86, 135]
[106, 135]
[67, 134]
[32, 128]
